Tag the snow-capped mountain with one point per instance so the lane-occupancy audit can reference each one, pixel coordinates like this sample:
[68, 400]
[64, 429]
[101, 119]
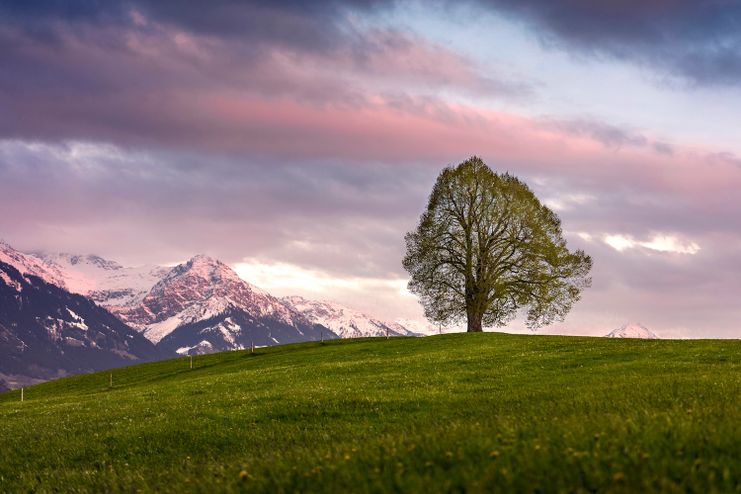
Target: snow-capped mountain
[47, 332]
[203, 305]
[343, 321]
[28, 264]
[106, 282]
[633, 330]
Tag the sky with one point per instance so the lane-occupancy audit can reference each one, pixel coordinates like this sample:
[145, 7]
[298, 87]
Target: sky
[299, 141]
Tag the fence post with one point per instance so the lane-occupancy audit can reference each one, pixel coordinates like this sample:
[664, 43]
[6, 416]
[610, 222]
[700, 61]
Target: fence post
[191, 361]
[110, 380]
[321, 332]
[252, 346]
[21, 394]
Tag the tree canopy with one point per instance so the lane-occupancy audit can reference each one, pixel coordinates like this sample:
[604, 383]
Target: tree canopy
[486, 248]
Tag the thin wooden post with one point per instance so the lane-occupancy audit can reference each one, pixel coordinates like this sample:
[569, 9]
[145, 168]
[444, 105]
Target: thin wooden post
[110, 380]
[252, 346]
[21, 394]
[321, 332]
[387, 332]
[191, 361]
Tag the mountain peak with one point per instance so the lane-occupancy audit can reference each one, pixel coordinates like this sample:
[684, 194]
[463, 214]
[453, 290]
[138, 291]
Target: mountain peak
[205, 267]
[633, 330]
[203, 259]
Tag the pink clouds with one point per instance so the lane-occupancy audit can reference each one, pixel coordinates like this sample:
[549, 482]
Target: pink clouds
[366, 99]
[440, 133]
[113, 83]
[303, 138]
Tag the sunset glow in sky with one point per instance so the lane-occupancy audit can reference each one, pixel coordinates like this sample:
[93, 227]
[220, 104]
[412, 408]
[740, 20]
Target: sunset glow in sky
[298, 142]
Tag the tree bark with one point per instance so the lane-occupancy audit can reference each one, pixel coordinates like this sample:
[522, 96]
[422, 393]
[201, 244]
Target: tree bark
[474, 322]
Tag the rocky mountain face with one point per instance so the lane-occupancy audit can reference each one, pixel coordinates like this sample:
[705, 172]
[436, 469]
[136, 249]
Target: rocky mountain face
[48, 332]
[204, 306]
[343, 321]
[633, 330]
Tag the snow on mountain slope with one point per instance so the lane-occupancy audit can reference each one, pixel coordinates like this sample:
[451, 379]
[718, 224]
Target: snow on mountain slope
[106, 282]
[236, 329]
[633, 330]
[345, 322]
[194, 301]
[27, 264]
[47, 332]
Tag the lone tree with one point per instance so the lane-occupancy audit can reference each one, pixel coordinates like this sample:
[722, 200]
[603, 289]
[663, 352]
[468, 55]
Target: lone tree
[486, 247]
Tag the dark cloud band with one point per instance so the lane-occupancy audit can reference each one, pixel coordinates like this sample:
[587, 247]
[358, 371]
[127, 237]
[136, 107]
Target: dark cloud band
[698, 40]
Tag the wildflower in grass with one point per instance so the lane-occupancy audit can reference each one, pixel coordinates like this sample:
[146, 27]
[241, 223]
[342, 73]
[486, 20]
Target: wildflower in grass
[244, 475]
[494, 454]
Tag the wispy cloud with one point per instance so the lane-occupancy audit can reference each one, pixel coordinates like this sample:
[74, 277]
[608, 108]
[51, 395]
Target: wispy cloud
[658, 243]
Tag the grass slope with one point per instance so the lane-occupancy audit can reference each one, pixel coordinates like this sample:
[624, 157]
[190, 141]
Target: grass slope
[451, 413]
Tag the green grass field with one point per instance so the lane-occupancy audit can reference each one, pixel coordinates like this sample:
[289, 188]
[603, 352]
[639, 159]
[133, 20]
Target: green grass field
[452, 413]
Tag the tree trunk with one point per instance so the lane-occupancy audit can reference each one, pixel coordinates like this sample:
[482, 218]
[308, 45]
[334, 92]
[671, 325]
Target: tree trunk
[474, 322]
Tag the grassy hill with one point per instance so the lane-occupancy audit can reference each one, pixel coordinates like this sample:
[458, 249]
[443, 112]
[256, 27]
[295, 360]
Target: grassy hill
[475, 412]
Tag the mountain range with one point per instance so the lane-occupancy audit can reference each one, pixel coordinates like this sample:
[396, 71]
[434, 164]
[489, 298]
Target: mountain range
[200, 306]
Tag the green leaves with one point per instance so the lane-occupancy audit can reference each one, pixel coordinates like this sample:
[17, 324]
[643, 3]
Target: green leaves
[486, 248]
